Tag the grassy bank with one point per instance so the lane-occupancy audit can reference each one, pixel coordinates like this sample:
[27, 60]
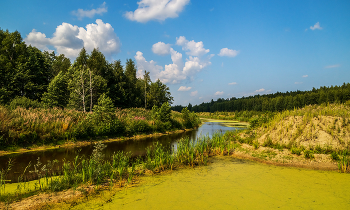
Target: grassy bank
[312, 137]
[22, 127]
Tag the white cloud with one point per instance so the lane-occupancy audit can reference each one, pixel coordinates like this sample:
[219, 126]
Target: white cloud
[175, 72]
[219, 93]
[228, 52]
[37, 39]
[143, 65]
[260, 90]
[332, 66]
[233, 83]
[156, 10]
[298, 83]
[316, 26]
[80, 13]
[184, 88]
[69, 39]
[194, 65]
[305, 75]
[160, 48]
[194, 93]
[193, 48]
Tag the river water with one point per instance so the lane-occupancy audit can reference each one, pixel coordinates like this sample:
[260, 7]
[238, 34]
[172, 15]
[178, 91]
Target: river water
[136, 147]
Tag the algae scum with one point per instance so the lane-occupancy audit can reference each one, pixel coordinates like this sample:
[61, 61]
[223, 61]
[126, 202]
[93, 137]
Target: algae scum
[229, 183]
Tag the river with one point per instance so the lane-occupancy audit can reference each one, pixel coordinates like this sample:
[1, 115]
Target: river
[136, 147]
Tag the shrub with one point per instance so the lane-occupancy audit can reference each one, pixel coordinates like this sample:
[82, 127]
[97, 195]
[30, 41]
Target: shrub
[308, 154]
[334, 156]
[295, 150]
[24, 102]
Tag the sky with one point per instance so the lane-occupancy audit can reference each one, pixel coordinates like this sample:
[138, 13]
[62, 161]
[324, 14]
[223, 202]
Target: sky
[201, 50]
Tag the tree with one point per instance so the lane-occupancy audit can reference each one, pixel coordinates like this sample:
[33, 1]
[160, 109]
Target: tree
[117, 85]
[57, 94]
[132, 91]
[159, 93]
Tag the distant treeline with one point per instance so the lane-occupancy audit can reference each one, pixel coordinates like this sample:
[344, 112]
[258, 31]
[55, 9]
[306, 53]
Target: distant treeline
[32, 78]
[276, 101]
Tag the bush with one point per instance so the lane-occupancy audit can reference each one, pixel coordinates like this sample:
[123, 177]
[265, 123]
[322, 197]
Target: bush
[24, 102]
[308, 154]
[296, 151]
[335, 156]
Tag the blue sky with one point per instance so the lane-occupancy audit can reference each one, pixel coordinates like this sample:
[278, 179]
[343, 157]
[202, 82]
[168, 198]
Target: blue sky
[202, 50]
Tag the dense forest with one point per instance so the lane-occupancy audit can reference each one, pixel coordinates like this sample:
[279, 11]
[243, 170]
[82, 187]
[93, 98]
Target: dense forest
[275, 101]
[32, 78]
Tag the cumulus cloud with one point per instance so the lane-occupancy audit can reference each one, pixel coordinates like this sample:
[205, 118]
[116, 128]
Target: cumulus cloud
[228, 52]
[193, 48]
[69, 39]
[160, 48]
[194, 93]
[219, 93]
[143, 65]
[332, 66]
[184, 88]
[156, 10]
[260, 90]
[80, 13]
[232, 83]
[316, 26]
[305, 75]
[177, 71]
[37, 39]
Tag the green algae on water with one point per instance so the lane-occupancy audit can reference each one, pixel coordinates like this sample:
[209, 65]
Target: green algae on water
[230, 183]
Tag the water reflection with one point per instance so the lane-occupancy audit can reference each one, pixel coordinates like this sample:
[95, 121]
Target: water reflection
[136, 147]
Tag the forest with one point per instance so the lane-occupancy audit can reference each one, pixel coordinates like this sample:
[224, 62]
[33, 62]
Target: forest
[275, 101]
[32, 78]
[47, 100]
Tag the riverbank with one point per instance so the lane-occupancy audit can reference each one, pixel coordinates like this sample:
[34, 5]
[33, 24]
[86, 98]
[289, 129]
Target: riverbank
[71, 144]
[290, 139]
[154, 189]
[46, 128]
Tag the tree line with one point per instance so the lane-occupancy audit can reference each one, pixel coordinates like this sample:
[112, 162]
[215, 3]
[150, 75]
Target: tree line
[275, 101]
[32, 78]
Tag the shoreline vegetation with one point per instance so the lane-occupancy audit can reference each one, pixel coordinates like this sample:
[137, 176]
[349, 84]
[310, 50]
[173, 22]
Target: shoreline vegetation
[315, 137]
[28, 129]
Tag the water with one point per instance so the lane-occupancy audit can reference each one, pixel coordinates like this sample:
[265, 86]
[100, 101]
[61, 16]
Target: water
[136, 147]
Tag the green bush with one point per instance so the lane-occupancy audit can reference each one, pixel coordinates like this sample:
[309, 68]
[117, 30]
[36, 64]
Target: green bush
[24, 102]
[309, 154]
[295, 150]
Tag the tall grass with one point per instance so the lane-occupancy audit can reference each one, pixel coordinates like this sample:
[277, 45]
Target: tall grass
[22, 127]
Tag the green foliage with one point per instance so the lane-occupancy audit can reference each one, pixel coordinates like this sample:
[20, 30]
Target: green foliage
[335, 156]
[295, 150]
[104, 111]
[277, 101]
[57, 94]
[309, 154]
[190, 119]
[24, 102]
[165, 112]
